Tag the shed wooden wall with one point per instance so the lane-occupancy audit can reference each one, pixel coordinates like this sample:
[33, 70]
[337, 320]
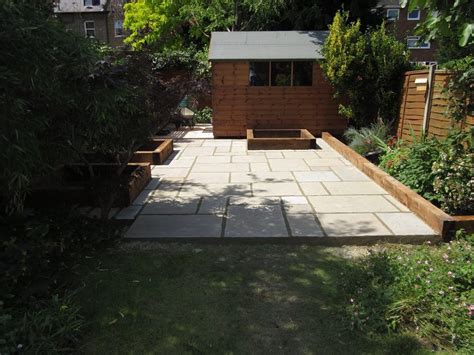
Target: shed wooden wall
[413, 105]
[238, 106]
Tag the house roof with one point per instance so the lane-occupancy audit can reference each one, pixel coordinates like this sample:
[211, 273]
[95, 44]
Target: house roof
[267, 45]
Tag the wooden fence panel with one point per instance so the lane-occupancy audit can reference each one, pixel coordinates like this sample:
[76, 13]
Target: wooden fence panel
[413, 102]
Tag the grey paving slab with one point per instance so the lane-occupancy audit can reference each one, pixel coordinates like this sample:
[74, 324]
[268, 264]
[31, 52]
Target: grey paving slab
[212, 205]
[242, 200]
[353, 203]
[328, 154]
[249, 159]
[298, 209]
[181, 163]
[220, 167]
[255, 221]
[274, 155]
[153, 184]
[128, 213]
[197, 151]
[397, 203]
[262, 176]
[208, 177]
[324, 162]
[293, 164]
[352, 225]
[212, 159]
[350, 173]
[211, 189]
[354, 188]
[405, 224]
[313, 188]
[275, 189]
[142, 197]
[161, 171]
[315, 176]
[175, 226]
[171, 206]
[300, 154]
[256, 167]
[294, 200]
[304, 225]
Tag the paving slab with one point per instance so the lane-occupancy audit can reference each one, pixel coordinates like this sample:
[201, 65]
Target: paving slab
[262, 176]
[300, 154]
[211, 189]
[197, 151]
[274, 155]
[213, 205]
[171, 206]
[175, 226]
[352, 225]
[294, 164]
[354, 188]
[220, 168]
[315, 176]
[142, 197]
[353, 203]
[350, 173]
[208, 177]
[298, 209]
[212, 159]
[275, 189]
[153, 184]
[242, 200]
[255, 167]
[249, 159]
[294, 200]
[128, 213]
[397, 203]
[324, 162]
[253, 221]
[405, 224]
[161, 171]
[313, 188]
[304, 225]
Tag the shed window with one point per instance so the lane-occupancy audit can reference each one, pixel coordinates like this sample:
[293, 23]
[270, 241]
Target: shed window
[414, 15]
[393, 14]
[91, 2]
[281, 73]
[302, 73]
[259, 73]
[89, 28]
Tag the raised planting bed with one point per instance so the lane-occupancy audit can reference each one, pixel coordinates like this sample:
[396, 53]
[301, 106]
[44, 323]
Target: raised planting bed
[441, 222]
[280, 139]
[155, 152]
[70, 185]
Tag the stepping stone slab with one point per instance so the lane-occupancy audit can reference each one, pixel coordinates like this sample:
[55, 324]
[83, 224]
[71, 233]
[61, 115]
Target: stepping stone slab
[304, 225]
[171, 206]
[316, 176]
[352, 225]
[355, 204]
[354, 188]
[213, 205]
[405, 224]
[255, 221]
[175, 226]
[276, 189]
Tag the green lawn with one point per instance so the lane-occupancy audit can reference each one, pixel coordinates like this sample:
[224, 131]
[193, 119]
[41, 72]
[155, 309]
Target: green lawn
[232, 299]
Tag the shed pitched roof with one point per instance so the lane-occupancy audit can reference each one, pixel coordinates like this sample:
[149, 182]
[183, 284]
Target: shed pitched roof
[267, 45]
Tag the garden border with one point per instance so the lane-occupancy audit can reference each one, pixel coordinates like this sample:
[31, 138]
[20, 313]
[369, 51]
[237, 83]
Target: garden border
[157, 156]
[442, 223]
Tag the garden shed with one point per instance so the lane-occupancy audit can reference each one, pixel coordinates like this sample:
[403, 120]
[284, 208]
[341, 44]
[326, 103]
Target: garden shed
[271, 80]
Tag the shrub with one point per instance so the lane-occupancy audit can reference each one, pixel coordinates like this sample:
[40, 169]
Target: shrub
[367, 139]
[454, 175]
[365, 68]
[425, 290]
[204, 115]
[440, 171]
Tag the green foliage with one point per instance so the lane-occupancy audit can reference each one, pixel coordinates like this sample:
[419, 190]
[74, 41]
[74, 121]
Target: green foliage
[41, 68]
[367, 139]
[204, 115]
[459, 91]
[365, 69]
[441, 171]
[454, 174]
[445, 18]
[188, 58]
[425, 290]
[49, 326]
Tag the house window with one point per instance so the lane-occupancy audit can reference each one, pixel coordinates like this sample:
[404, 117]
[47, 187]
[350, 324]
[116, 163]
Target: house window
[281, 73]
[302, 73]
[91, 2]
[414, 15]
[259, 73]
[89, 28]
[413, 42]
[393, 14]
[118, 26]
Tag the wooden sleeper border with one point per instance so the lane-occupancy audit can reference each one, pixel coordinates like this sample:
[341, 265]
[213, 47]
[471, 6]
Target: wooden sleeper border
[155, 152]
[442, 223]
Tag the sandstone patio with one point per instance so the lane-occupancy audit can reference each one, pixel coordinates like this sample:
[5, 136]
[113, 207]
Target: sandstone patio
[215, 188]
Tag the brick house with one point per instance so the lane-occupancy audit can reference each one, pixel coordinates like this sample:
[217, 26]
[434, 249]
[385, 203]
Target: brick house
[403, 22]
[99, 19]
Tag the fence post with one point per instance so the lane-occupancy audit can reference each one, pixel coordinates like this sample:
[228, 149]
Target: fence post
[429, 96]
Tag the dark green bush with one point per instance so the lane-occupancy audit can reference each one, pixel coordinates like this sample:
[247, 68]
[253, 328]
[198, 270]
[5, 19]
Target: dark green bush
[439, 170]
[204, 115]
[425, 290]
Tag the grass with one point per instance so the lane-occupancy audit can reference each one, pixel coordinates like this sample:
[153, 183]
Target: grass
[234, 299]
